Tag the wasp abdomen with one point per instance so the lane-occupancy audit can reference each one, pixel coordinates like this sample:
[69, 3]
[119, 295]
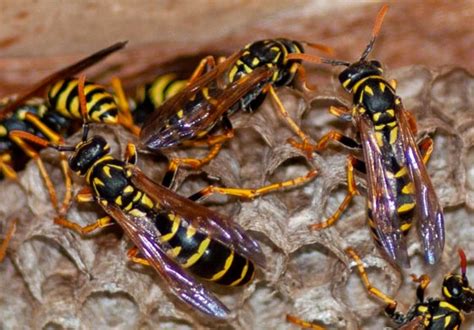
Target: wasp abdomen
[101, 106]
[202, 255]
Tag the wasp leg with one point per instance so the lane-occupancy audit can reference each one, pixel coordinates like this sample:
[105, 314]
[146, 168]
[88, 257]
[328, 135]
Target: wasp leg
[206, 64]
[411, 121]
[132, 255]
[84, 230]
[31, 153]
[426, 149]
[352, 163]
[125, 116]
[8, 237]
[302, 81]
[389, 301]
[301, 323]
[424, 281]
[5, 168]
[252, 193]
[215, 142]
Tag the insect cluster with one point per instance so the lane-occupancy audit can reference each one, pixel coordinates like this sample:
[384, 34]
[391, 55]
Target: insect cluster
[193, 240]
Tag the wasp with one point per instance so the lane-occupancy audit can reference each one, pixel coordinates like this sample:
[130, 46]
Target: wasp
[187, 118]
[398, 185]
[173, 234]
[432, 313]
[50, 118]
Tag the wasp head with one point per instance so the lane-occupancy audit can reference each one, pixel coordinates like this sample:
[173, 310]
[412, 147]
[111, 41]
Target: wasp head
[456, 288]
[358, 71]
[87, 153]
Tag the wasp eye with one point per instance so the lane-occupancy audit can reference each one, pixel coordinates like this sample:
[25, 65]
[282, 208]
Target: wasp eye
[376, 64]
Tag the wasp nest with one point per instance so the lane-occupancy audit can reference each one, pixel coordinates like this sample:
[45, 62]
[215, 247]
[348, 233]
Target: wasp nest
[53, 278]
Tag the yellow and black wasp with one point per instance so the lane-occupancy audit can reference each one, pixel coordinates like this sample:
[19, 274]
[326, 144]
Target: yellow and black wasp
[173, 234]
[187, 118]
[398, 185]
[50, 118]
[432, 313]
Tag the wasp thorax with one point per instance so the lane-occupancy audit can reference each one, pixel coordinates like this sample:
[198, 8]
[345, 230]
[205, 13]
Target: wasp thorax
[457, 291]
[358, 71]
[87, 153]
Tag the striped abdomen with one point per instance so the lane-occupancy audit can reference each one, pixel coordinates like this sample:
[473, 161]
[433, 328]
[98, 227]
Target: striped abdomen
[101, 106]
[193, 250]
[151, 96]
[202, 255]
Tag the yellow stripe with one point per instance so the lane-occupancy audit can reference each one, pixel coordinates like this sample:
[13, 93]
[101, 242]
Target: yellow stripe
[446, 292]
[232, 73]
[195, 257]
[376, 116]
[393, 135]
[422, 309]
[390, 112]
[107, 171]
[190, 232]
[147, 201]
[405, 227]
[118, 200]
[447, 321]
[228, 263]
[369, 90]
[382, 86]
[62, 99]
[156, 91]
[408, 188]
[242, 275]
[55, 88]
[406, 207]
[174, 252]
[357, 85]
[176, 222]
[137, 213]
[128, 189]
[401, 172]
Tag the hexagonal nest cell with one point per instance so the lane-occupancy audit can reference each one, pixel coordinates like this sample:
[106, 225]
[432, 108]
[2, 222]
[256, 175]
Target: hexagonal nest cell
[54, 278]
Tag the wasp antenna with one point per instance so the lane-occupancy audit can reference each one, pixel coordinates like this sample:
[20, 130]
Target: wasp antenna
[463, 262]
[305, 57]
[375, 31]
[83, 106]
[335, 62]
[63, 148]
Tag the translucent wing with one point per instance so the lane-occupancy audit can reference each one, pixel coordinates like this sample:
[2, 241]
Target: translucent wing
[429, 211]
[212, 223]
[200, 114]
[381, 196]
[146, 238]
[63, 73]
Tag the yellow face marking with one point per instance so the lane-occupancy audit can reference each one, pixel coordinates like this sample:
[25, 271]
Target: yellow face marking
[190, 231]
[174, 228]
[137, 213]
[118, 201]
[195, 257]
[393, 135]
[406, 207]
[405, 227]
[228, 263]
[369, 90]
[409, 188]
[345, 83]
[147, 201]
[180, 114]
[446, 292]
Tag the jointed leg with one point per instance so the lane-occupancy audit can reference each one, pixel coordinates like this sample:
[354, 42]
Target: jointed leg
[131, 154]
[206, 64]
[389, 301]
[67, 182]
[132, 255]
[8, 237]
[125, 115]
[84, 230]
[426, 149]
[301, 323]
[424, 281]
[252, 193]
[5, 168]
[351, 192]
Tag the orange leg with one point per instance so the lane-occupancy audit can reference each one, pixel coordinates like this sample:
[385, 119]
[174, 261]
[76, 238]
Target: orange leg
[206, 64]
[125, 116]
[302, 324]
[84, 230]
[252, 193]
[389, 301]
[8, 237]
[351, 192]
[132, 255]
[5, 168]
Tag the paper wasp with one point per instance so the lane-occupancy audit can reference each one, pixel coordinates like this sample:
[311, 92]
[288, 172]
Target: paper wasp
[431, 313]
[398, 185]
[173, 234]
[51, 118]
[187, 118]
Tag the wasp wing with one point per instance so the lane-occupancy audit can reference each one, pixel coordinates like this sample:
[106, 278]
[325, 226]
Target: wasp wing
[146, 238]
[381, 196]
[217, 226]
[428, 209]
[63, 73]
[201, 112]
